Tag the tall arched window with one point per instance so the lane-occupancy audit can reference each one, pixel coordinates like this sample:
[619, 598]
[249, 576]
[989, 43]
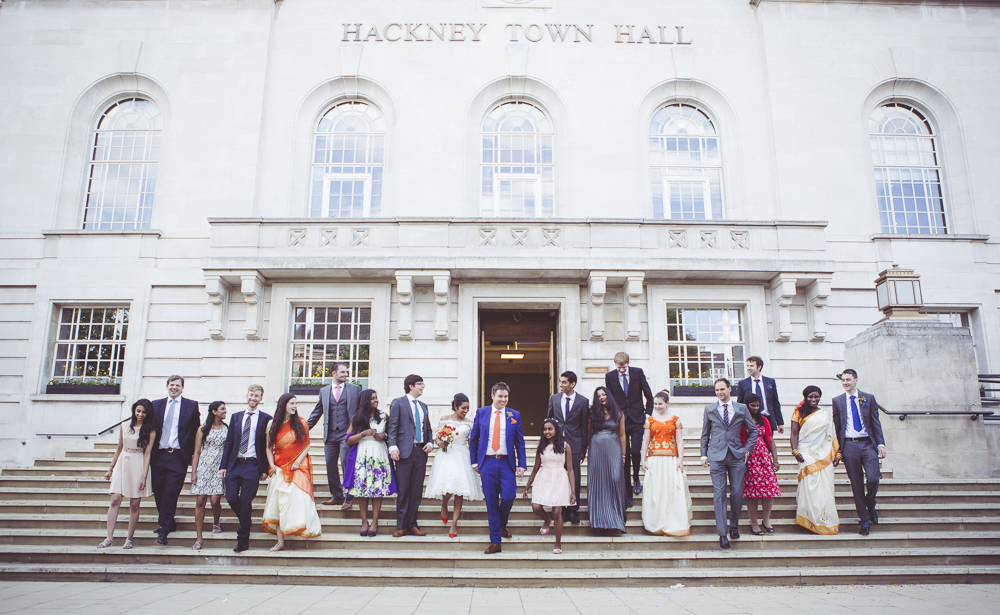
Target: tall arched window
[517, 168]
[122, 178]
[907, 171]
[685, 167]
[348, 162]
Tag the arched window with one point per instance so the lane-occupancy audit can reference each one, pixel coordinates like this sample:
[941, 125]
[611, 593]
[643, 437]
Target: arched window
[122, 178]
[685, 167]
[907, 171]
[348, 162]
[517, 168]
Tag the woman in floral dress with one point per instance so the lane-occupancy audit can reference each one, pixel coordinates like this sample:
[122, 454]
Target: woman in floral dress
[760, 482]
[368, 473]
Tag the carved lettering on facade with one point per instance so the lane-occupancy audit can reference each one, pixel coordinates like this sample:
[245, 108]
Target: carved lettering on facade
[531, 32]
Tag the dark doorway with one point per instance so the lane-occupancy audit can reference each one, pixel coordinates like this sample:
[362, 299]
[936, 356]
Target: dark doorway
[518, 347]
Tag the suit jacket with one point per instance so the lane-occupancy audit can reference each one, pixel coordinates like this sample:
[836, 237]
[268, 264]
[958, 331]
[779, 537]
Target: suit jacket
[717, 438]
[577, 425]
[745, 387]
[631, 405]
[341, 422]
[401, 428]
[479, 439]
[187, 425]
[868, 409]
[231, 450]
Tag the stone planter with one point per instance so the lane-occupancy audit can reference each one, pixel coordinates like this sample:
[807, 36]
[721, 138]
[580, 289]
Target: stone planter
[304, 389]
[680, 391]
[82, 389]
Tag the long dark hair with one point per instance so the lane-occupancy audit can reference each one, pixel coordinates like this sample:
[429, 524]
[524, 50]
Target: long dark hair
[210, 419]
[362, 418]
[558, 442]
[280, 414]
[749, 399]
[147, 423]
[597, 411]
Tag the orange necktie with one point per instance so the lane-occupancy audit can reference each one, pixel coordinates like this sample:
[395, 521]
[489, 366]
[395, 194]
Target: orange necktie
[496, 431]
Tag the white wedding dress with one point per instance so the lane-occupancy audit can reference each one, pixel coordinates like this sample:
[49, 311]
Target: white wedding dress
[452, 469]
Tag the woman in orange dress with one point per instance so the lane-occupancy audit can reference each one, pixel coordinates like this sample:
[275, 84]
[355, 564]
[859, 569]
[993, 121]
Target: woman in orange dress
[290, 509]
[666, 500]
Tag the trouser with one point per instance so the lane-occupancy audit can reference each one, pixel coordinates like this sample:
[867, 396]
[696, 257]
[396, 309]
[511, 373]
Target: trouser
[729, 470]
[410, 485]
[242, 483]
[633, 444]
[335, 449]
[861, 462]
[500, 489]
[575, 461]
[168, 473]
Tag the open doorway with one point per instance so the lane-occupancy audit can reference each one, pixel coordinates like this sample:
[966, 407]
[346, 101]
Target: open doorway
[518, 347]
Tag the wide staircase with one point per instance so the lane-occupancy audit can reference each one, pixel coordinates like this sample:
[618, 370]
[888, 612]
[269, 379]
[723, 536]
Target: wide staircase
[52, 516]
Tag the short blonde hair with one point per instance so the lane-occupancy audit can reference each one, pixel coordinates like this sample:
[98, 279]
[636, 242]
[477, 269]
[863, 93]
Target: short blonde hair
[256, 387]
[621, 358]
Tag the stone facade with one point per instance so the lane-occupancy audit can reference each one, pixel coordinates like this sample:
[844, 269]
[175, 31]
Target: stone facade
[231, 250]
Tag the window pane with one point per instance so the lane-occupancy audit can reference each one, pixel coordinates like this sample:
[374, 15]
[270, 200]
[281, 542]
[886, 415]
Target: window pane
[718, 350]
[683, 142]
[337, 336]
[91, 345]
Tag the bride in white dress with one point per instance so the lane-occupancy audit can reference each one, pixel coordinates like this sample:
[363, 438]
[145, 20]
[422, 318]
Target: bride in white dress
[452, 473]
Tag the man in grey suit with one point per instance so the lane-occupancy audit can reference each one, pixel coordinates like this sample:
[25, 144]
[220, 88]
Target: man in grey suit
[859, 432]
[573, 412]
[338, 402]
[721, 447]
[408, 447]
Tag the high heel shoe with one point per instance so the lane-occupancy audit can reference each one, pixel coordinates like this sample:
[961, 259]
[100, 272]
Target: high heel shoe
[444, 519]
[756, 532]
[769, 530]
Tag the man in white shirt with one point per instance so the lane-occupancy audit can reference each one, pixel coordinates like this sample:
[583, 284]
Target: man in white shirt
[410, 441]
[859, 433]
[573, 413]
[177, 422]
[244, 462]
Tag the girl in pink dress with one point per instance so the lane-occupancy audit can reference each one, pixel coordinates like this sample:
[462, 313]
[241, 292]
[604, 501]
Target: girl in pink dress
[552, 478]
[129, 473]
[760, 482]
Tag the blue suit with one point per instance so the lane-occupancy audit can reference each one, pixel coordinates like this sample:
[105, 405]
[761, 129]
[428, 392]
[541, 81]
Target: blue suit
[498, 475]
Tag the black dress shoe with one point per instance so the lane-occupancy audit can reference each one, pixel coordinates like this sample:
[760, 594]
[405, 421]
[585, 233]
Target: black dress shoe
[874, 516]
[723, 542]
[637, 488]
[734, 533]
[241, 546]
[162, 540]
[628, 502]
[865, 528]
[574, 517]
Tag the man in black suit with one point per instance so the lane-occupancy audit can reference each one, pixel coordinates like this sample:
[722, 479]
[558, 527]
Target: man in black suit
[177, 422]
[859, 432]
[573, 412]
[244, 462]
[627, 386]
[409, 446]
[765, 389]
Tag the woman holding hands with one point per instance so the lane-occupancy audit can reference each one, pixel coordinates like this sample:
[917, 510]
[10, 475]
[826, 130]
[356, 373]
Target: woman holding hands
[555, 481]
[368, 471]
[129, 472]
[205, 480]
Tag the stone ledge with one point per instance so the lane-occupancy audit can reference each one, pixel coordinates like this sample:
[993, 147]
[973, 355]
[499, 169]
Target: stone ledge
[84, 232]
[75, 398]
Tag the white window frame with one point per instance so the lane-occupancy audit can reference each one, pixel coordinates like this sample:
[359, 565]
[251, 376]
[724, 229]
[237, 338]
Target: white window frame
[534, 178]
[691, 179]
[352, 177]
[118, 355]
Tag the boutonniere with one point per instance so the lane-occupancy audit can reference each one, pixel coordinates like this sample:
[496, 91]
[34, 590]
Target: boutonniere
[513, 421]
[864, 402]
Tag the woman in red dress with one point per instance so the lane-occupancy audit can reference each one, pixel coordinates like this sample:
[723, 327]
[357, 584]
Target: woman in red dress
[761, 482]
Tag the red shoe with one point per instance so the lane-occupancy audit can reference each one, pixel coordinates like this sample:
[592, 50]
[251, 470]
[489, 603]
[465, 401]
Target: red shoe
[452, 535]
[444, 519]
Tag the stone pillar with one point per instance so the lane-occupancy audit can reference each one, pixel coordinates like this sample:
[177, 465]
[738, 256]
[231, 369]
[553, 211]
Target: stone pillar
[916, 366]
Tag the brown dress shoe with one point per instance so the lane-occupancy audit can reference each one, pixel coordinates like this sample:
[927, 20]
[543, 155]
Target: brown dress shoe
[400, 533]
[332, 502]
[504, 533]
[416, 531]
[493, 548]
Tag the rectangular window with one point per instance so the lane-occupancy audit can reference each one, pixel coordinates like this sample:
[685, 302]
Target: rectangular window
[346, 195]
[90, 345]
[704, 344]
[517, 196]
[689, 198]
[322, 336]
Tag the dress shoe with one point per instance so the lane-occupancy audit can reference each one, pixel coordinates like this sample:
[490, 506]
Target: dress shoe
[493, 548]
[333, 502]
[574, 517]
[734, 533]
[241, 546]
[162, 540]
[504, 533]
[723, 542]
[767, 528]
[756, 532]
[865, 529]
[400, 533]
[637, 488]
[874, 516]
[628, 502]
[416, 531]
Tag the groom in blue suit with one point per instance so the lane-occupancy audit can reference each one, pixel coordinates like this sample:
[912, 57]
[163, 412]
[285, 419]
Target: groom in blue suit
[496, 436]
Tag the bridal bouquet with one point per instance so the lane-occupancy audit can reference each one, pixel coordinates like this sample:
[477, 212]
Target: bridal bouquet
[446, 435]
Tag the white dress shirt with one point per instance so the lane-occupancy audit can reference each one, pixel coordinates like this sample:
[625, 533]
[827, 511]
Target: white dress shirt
[174, 441]
[849, 431]
[502, 449]
[562, 404]
[252, 446]
[418, 432]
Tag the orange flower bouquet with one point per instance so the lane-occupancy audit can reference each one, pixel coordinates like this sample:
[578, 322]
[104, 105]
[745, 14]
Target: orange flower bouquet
[446, 435]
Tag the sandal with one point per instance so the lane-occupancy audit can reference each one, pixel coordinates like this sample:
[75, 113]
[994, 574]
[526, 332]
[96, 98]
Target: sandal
[128, 544]
[544, 530]
[105, 544]
[557, 551]
[216, 529]
[197, 545]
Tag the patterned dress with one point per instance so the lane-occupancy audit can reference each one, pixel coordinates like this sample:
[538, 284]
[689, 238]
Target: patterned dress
[373, 473]
[760, 480]
[209, 482]
[666, 499]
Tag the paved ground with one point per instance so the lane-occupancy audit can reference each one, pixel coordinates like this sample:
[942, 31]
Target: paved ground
[169, 599]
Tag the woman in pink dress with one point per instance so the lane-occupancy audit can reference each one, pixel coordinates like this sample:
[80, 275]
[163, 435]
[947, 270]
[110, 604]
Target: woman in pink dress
[760, 482]
[129, 473]
[553, 480]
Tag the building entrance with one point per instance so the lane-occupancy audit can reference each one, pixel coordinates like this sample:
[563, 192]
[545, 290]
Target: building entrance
[518, 347]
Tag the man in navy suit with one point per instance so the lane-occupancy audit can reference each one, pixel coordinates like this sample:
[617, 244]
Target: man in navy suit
[497, 435]
[859, 432]
[410, 441]
[244, 462]
[177, 422]
[628, 386]
[764, 388]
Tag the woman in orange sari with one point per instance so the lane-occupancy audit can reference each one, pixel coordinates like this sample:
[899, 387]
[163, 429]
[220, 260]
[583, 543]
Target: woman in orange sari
[290, 509]
[814, 445]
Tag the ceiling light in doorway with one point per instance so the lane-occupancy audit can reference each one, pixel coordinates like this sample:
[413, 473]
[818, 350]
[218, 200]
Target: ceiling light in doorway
[511, 356]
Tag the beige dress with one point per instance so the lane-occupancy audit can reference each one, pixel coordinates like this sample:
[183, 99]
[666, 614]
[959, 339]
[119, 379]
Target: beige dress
[127, 475]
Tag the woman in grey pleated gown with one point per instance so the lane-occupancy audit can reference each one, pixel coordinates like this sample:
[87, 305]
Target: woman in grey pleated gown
[606, 463]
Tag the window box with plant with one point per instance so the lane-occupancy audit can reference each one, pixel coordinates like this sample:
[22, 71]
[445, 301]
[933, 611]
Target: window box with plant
[307, 386]
[694, 390]
[99, 385]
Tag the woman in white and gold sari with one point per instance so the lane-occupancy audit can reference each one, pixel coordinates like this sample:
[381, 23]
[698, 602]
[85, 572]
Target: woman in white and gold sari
[814, 445]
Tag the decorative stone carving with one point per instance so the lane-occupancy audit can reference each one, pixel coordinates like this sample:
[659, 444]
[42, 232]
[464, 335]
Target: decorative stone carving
[252, 287]
[404, 289]
[709, 239]
[406, 283]
[551, 237]
[740, 240]
[782, 294]
[598, 287]
[327, 237]
[677, 239]
[218, 305]
[297, 237]
[360, 237]
[817, 294]
[487, 237]
[519, 238]
[632, 293]
[442, 304]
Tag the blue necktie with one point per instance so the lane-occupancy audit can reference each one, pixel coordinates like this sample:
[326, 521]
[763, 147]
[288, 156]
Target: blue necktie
[625, 384]
[756, 390]
[856, 416]
[566, 412]
[418, 432]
